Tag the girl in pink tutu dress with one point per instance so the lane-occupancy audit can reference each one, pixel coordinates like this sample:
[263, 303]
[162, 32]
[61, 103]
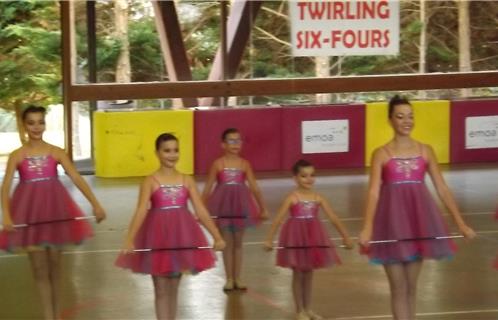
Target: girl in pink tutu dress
[234, 205]
[163, 223]
[43, 205]
[304, 244]
[399, 206]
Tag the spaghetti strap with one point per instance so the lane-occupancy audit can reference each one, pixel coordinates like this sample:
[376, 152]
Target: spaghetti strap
[156, 180]
[386, 150]
[297, 196]
[422, 150]
[24, 154]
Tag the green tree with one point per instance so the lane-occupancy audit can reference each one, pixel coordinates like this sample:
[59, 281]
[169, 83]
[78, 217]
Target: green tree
[29, 55]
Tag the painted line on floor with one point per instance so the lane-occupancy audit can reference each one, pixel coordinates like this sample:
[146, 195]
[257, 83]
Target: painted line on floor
[71, 312]
[423, 314]
[267, 301]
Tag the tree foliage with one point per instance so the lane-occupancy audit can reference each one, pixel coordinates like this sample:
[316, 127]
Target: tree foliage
[30, 51]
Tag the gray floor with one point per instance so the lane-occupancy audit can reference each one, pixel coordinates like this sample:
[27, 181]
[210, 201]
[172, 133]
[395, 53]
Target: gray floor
[463, 288]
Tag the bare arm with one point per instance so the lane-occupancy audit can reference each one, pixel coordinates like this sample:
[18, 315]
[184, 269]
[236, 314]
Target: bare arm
[329, 212]
[277, 221]
[140, 213]
[211, 178]
[78, 180]
[6, 185]
[253, 185]
[372, 196]
[445, 194]
[203, 215]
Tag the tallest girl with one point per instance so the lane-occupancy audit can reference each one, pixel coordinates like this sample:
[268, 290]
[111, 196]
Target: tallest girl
[400, 207]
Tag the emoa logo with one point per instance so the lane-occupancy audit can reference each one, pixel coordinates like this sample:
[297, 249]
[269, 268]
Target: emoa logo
[325, 136]
[482, 133]
[319, 138]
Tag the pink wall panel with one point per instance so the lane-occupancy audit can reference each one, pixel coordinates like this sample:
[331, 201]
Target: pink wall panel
[458, 112]
[260, 129]
[291, 135]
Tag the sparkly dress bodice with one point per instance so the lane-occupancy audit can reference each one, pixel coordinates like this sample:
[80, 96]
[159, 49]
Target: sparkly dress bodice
[304, 209]
[231, 176]
[404, 170]
[37, 168]
[169, 196]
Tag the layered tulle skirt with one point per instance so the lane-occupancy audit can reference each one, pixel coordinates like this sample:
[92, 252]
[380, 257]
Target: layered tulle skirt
[177, 242]
[305, 245]
[233, 207]
[49, 211]
[408, 211]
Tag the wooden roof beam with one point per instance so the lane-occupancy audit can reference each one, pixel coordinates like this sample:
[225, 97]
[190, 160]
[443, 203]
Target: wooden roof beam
[255, 87]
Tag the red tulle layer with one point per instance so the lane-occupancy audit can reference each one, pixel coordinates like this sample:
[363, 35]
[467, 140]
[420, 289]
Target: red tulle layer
[306, 245]
[43, 204]
[407, 211]
[233, 200]
[177, 241]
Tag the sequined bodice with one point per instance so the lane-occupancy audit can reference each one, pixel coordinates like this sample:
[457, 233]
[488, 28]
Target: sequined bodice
[404, 170]
[231, 176]
[304, 209]
[37, 168]
[169, 196]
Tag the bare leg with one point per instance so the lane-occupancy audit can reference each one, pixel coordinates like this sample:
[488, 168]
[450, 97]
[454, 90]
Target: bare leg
[237, 258]
[399, 291]
[307, 288]
[40, 264]
[166, 293]
[412, 271]
[55, 277]
[228, 236]
[297, 289]
[173, 285]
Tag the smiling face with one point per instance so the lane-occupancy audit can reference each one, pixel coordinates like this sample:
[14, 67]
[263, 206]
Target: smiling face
[232, 143]
[168, 153]
[305, 178]
[34, 123]
[402, 119]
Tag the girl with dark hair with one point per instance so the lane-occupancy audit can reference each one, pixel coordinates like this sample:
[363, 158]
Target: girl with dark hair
[41, 218]
[399, 207]
[164, 239]
[304, 244]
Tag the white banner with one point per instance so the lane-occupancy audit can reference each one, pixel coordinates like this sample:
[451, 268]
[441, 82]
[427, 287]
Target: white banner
[325, 136]
[481, 132]
[347, 27]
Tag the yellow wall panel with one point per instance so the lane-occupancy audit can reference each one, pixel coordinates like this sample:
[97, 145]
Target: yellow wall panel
[432, 126]
[124, 141]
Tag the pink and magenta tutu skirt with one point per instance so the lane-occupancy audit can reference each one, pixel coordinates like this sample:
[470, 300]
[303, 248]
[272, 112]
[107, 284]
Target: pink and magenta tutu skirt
[38, 203]
[175, 236]
[407, 211]
[233, 200]
[306, 245]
